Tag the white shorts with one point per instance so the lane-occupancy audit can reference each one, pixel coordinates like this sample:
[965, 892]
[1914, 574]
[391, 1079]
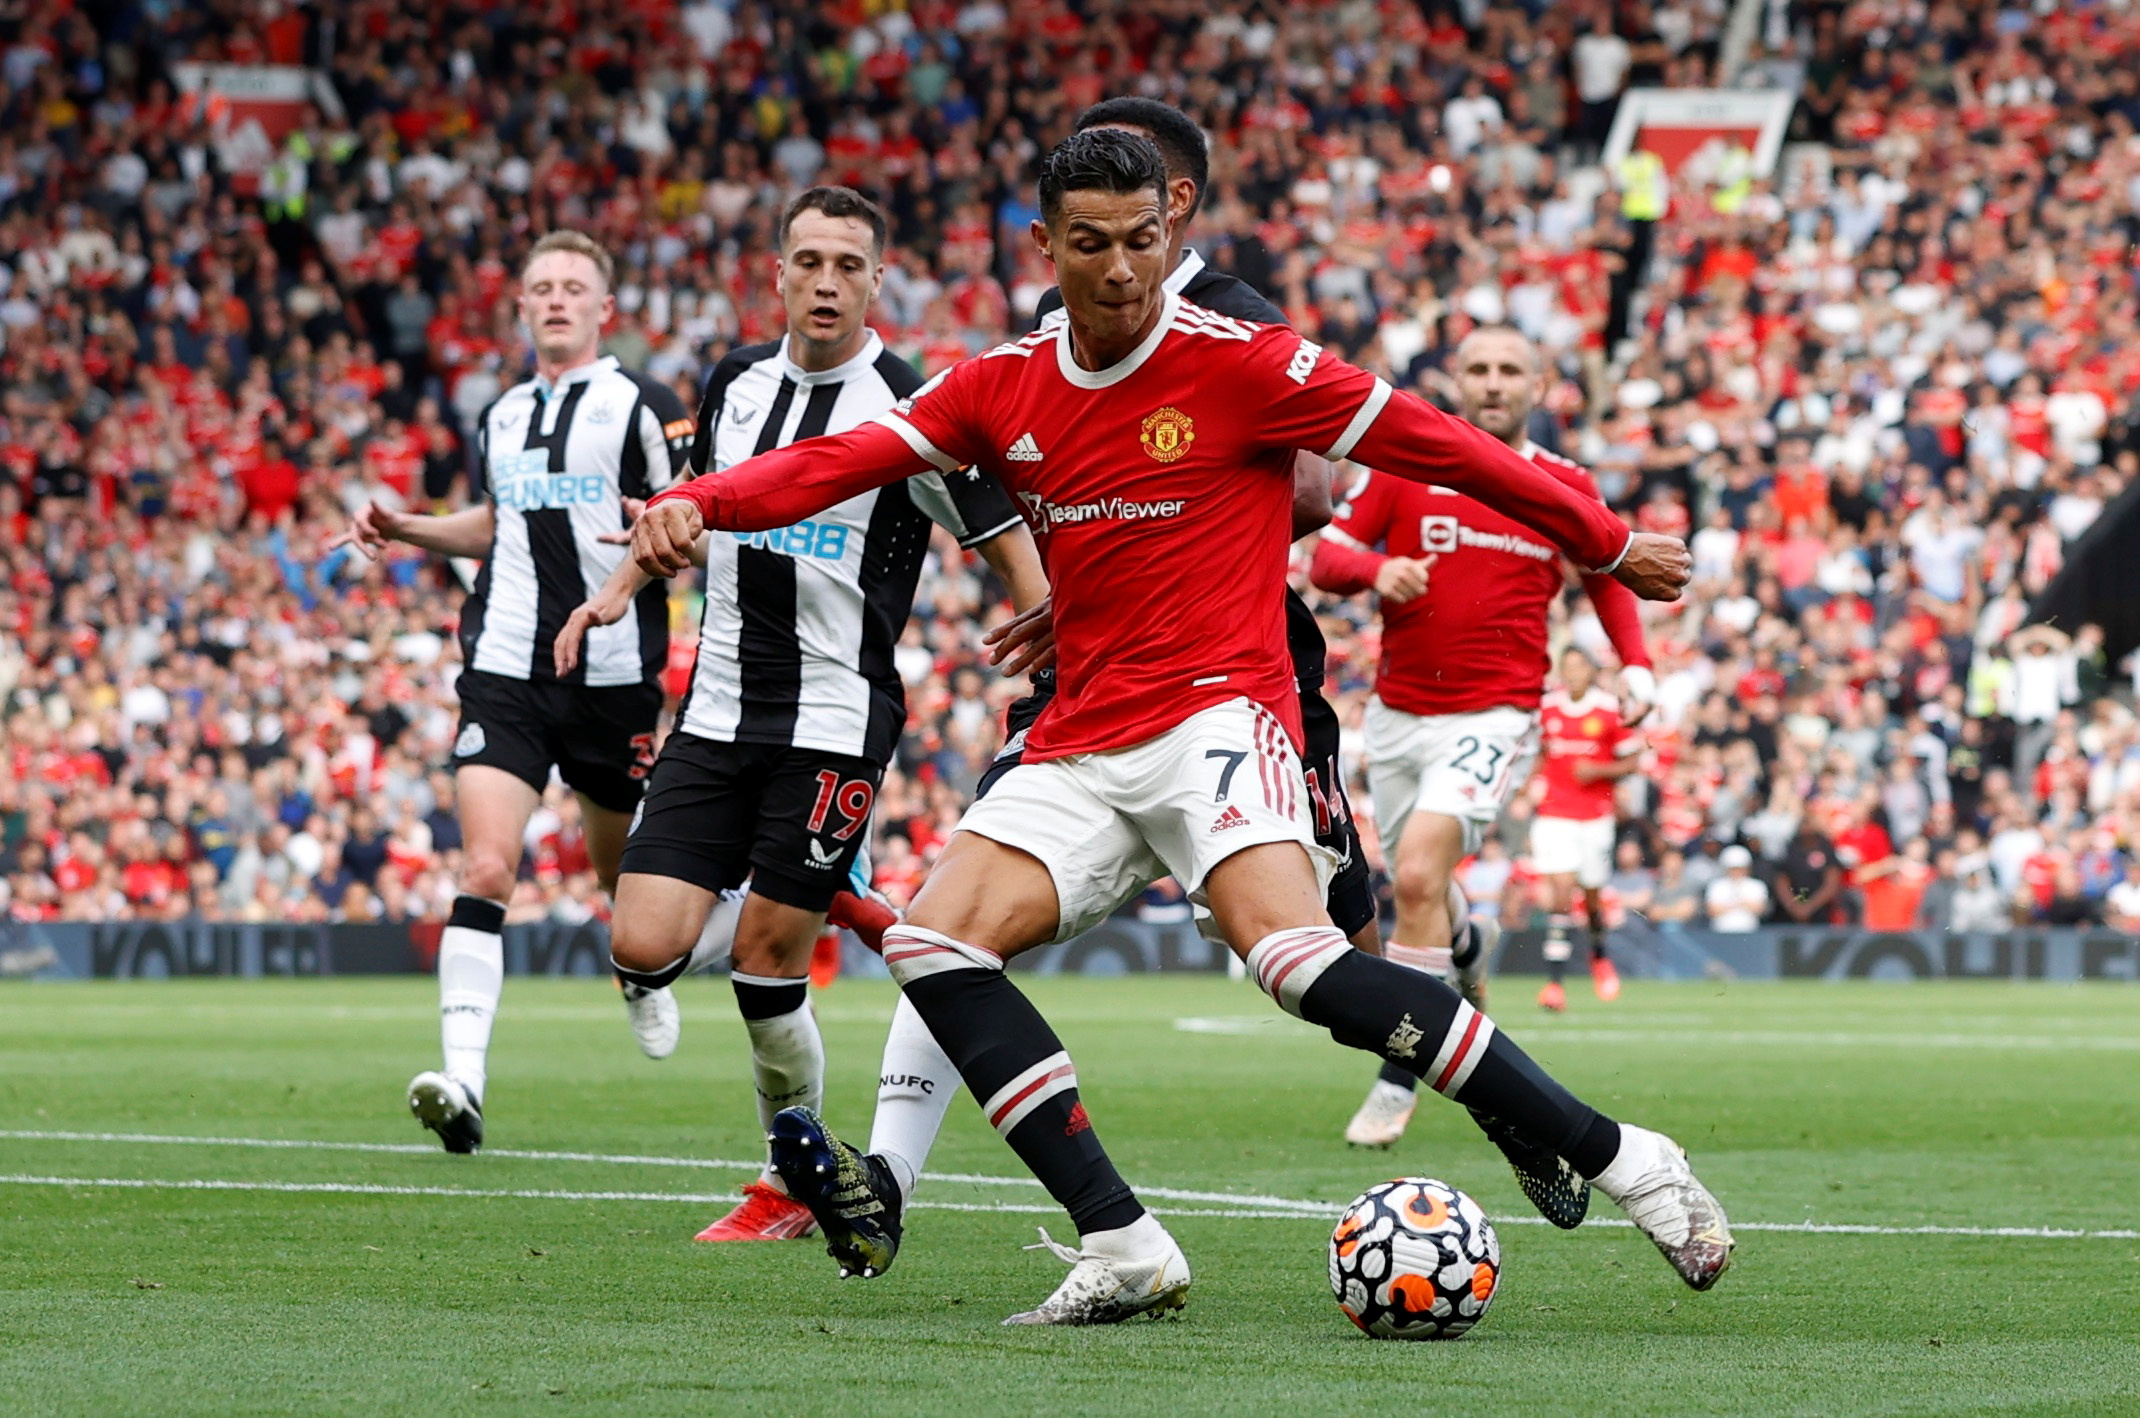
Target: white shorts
[1454, 765]
[1107, 825]
[1573, 846]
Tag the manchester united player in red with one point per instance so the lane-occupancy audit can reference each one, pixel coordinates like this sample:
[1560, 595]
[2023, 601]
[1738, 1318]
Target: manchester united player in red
[1452, 726]
[1152, 443]
[1585, 747]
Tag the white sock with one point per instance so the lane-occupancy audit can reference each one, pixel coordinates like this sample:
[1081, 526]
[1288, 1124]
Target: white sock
[717, 939]
[787, 1057]
[1428, 959]
[1140, 1240]
[471, 976]
[915, 1084]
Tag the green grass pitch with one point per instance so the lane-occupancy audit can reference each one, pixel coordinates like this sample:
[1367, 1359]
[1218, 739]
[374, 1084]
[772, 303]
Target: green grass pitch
[351, 1279]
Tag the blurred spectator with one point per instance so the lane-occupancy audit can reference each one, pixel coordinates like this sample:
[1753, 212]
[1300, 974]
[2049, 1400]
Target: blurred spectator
[1888, 389]
[1737, 901]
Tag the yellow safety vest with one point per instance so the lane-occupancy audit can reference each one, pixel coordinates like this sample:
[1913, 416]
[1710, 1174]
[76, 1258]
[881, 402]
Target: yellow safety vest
[1735, 180]
[1642, 186]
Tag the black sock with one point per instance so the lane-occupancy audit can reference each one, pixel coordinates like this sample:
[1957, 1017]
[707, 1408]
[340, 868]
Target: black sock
[1417, 1022]
[1464, 946]
[756, 999]
[1597, 946]
[1397, 1076]
[1008, 1057]
[1557, 949]
[652, 979]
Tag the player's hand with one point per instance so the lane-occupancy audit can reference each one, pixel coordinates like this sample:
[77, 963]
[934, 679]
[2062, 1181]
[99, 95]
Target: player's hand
[1025, 643]
[633, 507]
[369, 532]
[1655, 568]
[1638, 687]
[664, 535]
[596, 610]
[1403, 578]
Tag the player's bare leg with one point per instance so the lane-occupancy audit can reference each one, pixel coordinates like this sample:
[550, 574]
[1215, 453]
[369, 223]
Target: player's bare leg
[1411, 1018]
[657, 922]
[606, 829]
[660, 922]
[493, 807]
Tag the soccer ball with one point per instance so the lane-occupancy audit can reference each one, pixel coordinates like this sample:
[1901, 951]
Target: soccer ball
[1414, 1259]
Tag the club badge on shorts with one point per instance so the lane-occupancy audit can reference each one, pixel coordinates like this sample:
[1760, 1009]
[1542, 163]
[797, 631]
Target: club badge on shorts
[470, 743]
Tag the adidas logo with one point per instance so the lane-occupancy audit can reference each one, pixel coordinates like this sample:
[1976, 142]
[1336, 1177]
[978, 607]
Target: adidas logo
[1025, 450]
[1232, 817]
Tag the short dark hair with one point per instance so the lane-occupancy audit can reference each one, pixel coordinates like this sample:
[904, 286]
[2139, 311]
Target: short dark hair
[1100, 160]
[1180, 141]
[839, 202]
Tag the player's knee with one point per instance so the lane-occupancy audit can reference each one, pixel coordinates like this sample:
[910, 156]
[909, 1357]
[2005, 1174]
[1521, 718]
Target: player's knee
[1420, 881]
[639, 944]
[775, 947]
[487, 874]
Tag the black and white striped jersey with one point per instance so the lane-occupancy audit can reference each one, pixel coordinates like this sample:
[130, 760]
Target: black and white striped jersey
[557, 464]
[796, 642]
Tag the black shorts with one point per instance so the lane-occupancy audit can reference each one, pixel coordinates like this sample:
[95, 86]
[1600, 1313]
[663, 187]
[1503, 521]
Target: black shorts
[599, 738]
[1352, 892]
[792, 820]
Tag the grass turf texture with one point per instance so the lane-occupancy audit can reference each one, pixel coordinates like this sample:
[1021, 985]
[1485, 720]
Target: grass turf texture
[1966, 1105]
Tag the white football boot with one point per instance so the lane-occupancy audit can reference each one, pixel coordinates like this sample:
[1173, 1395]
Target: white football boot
[1651, 1181]
[655, 1019]
[1383, 1116]
[1107, 1290]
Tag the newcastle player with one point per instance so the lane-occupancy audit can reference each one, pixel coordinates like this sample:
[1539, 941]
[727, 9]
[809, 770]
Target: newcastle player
[558, 455]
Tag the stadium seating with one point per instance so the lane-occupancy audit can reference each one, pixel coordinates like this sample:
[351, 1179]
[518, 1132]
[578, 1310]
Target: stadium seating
[1885, 392]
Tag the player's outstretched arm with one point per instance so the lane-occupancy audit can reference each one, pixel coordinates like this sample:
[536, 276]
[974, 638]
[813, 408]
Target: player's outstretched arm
[605, 607]
[771, 490]
[467, 532]
[1413, 439]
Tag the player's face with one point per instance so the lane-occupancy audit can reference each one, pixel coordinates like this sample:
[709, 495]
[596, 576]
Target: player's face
[565, 303]
[1578, 674]
[829, 273]
[1109, 250]
[1497, 382]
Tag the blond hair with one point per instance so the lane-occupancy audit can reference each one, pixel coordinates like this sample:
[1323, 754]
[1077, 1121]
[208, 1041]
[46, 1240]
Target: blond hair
[576, 243]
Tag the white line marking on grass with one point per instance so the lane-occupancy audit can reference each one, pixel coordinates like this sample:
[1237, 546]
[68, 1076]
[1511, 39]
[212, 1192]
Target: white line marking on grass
[216, 1184]
[1269, 1024]
[1237, 1199]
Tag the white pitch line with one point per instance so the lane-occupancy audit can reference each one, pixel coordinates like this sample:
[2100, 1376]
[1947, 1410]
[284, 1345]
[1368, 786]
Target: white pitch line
[1800, 1228]
[1238, 1199]
[217, 1184]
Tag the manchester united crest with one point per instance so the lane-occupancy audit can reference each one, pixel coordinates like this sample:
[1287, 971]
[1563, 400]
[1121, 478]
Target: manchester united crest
[1168, 432]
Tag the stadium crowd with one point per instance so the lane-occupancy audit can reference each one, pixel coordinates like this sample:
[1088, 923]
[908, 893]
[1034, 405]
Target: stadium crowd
[1882, 393]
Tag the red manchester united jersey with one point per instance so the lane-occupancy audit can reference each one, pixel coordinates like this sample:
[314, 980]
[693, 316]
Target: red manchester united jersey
[1159, 489]
[1476, 638]
[1572, 731]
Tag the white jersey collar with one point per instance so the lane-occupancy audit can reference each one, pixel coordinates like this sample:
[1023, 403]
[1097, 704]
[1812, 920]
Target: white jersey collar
[872, 347]
[1123, 368]
[578, 374]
